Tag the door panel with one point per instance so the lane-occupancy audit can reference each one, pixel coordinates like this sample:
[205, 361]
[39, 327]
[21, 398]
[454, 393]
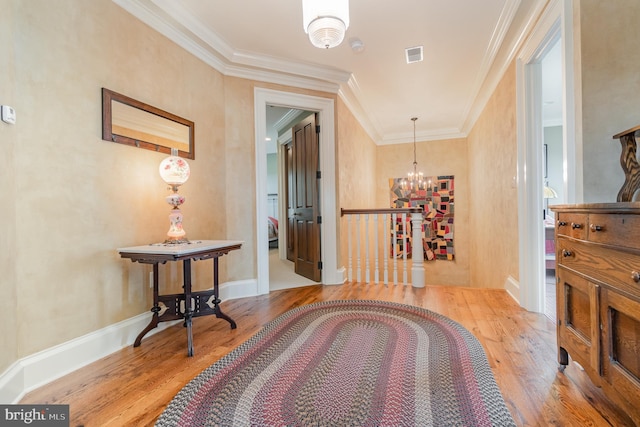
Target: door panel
[305, 212]
[291, 197]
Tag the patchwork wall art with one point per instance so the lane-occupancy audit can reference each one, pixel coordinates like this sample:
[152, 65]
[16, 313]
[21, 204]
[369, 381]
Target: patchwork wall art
[437, 202]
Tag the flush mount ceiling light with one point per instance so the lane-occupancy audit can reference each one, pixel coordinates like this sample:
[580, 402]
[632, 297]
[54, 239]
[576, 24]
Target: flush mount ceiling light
[326, 21]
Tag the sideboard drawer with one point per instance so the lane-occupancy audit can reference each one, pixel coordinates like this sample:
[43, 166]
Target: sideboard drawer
[619, 229]
[572, 224]
[617, 268]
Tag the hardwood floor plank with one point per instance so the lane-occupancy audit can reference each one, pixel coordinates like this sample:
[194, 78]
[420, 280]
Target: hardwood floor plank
[131, 387]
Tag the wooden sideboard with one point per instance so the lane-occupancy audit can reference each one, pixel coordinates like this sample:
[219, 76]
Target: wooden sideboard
[598, 296]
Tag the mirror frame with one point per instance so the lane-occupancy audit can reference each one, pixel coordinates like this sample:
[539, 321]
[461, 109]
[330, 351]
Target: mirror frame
[108, 96]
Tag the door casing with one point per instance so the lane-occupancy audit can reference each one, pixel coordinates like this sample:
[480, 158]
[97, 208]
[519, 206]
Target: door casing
[332, 272]
[556, 23]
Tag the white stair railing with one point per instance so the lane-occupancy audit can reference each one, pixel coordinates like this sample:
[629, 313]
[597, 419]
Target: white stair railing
[377, 240]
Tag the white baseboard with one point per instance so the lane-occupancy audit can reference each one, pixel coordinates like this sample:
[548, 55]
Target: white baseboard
[38, 369]
[513, 288]
[238, 289]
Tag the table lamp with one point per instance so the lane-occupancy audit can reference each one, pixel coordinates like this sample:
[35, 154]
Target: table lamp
[175, 171]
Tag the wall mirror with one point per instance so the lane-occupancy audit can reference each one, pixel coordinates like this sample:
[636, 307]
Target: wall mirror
[131, 122]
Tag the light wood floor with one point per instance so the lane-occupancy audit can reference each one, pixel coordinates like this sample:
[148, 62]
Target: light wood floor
[132, 387]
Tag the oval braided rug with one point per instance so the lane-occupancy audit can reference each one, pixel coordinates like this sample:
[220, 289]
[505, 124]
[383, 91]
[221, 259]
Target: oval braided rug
[347, 363]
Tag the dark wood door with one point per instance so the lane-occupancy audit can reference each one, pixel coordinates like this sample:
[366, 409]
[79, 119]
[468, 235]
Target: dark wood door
[303, 215]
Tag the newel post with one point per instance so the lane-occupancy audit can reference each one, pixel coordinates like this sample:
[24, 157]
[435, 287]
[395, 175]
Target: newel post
[417, 253]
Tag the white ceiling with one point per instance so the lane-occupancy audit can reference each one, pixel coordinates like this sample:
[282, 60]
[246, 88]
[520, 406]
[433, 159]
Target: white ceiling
[265, 40]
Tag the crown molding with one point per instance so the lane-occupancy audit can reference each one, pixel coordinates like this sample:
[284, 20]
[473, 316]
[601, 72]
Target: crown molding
[497, 39]
[271, 63]
[522, 24]
[553, 123]
[157, 19]
[287, 119]
[173, 22]
[516, 21]
[431, 135]
[266, 76]
[350, 94]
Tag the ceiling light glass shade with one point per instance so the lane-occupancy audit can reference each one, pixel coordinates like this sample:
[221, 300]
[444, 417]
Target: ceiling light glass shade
[174, 170]
[326, 21]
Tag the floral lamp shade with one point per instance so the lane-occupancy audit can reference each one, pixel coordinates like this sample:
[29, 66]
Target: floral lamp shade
[174, 170]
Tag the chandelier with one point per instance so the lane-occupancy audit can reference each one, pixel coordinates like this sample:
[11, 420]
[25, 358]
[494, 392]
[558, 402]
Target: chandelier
[325, 21]
[414, 180]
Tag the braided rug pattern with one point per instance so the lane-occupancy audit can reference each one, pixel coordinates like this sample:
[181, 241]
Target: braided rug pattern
[347, 363]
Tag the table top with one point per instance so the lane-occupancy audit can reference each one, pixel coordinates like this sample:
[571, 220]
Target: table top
[182, 249]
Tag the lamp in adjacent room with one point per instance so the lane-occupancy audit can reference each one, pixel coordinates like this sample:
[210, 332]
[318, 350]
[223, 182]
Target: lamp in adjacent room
[548, 193]
[414, 180]
[325, 21]
[174, 170]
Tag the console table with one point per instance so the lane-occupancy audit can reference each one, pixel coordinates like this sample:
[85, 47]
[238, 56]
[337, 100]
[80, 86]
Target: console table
[172, 307]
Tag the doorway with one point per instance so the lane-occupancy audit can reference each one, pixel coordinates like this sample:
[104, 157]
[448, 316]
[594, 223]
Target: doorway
[553, 160]
[282, 122]
[331, 272]
[555, 26]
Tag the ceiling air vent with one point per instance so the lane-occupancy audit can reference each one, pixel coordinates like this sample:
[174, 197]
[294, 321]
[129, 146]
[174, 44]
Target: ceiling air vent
[414, 54]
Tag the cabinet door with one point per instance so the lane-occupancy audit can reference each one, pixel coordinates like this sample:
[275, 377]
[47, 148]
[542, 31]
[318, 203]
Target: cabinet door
[621, 345]
[578, 305]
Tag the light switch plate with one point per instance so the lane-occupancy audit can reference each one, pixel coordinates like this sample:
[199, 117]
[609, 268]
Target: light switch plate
[8, 114]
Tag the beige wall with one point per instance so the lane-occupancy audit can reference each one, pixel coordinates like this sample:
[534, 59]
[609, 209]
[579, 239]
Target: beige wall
[494, 199]
[356, 157]
[356, 154]
[8, 138]
[79, 197]
[447, 157]
[82, 197]
[238, 202]
[610, 82]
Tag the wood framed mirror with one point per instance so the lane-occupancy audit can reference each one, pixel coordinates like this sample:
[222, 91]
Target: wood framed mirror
[131, 122]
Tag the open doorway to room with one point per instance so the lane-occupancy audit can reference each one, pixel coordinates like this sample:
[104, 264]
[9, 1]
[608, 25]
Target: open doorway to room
[553, 160]
[554, 28]
[282, 268]
[327, 191]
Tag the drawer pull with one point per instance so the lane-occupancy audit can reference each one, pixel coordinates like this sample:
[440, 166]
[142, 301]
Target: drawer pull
[562, 223]
[595, 227]
[576, 226]
[635, 276]
[566, 253]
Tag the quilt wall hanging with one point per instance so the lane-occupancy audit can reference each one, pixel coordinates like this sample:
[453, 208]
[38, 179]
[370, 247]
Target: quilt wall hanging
[437, 203]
